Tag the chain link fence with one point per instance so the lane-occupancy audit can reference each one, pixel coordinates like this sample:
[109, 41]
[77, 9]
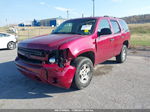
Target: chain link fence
[27, 32]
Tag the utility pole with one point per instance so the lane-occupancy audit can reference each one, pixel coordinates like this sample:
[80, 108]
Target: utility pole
[82, 15]
[67, 14]
[93, 8]
[6, 22]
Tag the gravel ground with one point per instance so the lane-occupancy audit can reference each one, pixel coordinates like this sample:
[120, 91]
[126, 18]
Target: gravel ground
[114, 86]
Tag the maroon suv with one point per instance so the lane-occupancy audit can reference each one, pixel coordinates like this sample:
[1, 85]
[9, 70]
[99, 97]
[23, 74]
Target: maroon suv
[67, 56]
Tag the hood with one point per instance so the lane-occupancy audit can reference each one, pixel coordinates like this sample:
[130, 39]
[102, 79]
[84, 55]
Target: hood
[48, 42]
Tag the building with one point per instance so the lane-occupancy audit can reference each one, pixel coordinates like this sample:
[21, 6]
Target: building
[36, 23]
[27, 23]
[51, 22]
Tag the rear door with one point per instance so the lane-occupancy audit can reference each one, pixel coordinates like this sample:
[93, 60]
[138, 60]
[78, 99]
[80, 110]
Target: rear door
[104, 42]
[125, 30]
[117, 44]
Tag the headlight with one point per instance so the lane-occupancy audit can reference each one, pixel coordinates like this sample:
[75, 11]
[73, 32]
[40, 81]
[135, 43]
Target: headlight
[58, 57]
[52, 60]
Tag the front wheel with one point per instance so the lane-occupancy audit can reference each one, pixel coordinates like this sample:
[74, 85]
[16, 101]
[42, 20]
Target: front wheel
[123, 55]
[11, 45]
[84, 72]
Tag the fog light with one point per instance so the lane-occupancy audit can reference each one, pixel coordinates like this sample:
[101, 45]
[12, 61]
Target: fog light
[52, 60]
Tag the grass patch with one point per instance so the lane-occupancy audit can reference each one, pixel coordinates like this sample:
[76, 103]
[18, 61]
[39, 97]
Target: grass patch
[140, 34]
[140, 39]
[139, 28]
[135, 43]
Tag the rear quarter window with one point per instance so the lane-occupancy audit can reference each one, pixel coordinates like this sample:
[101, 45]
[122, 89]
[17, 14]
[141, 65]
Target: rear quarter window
[124, 25]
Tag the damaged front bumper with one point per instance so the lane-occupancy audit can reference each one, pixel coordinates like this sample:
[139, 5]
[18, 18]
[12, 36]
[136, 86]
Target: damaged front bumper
[47, 73]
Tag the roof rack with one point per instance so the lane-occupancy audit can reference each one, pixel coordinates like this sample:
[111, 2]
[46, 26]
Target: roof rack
[110, 16]
[106, 16]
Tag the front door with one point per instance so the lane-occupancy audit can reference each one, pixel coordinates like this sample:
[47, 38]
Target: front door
[104, 42]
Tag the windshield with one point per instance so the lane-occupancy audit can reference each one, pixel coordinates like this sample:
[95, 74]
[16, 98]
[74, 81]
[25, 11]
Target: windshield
[78, 26]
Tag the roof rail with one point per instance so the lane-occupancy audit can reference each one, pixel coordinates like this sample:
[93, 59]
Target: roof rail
[110, 16]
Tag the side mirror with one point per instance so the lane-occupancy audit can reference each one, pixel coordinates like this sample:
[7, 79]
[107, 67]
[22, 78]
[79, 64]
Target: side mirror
[105, 31]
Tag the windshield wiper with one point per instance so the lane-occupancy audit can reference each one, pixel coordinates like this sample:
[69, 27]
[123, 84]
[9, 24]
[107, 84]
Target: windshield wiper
[66, 33]
[60, 33]
[75, 33]
[57, 33]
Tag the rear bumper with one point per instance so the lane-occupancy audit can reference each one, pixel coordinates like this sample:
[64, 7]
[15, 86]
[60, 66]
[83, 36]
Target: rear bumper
[47, 73]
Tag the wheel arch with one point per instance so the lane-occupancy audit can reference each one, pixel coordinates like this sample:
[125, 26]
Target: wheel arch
[10, 41]
[126, 42]
[88, 54]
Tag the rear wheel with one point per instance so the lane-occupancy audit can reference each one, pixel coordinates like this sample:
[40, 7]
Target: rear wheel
[11, 45]
[84, 72]
[123, 55]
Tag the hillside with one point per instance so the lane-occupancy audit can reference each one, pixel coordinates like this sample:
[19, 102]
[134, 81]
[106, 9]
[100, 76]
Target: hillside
[137, 19]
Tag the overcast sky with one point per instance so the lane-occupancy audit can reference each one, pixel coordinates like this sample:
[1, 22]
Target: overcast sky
[15, 11]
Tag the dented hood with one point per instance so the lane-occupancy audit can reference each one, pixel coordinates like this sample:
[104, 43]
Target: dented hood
[48, 42]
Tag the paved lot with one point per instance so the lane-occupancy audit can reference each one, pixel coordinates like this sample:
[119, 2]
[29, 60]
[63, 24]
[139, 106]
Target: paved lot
[113, 86]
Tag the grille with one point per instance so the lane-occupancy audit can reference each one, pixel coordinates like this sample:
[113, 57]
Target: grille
[34, 61]
[33, 52]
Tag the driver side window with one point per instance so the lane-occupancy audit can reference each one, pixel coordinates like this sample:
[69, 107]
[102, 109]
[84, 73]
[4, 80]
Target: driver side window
[104, 27]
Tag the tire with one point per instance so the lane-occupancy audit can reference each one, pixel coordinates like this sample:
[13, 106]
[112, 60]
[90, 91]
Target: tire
[11, 45]
[84, 72]
[121, 58]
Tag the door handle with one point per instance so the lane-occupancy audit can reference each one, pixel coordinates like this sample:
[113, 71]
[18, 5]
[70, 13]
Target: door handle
[122, 36]
[112, 39]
